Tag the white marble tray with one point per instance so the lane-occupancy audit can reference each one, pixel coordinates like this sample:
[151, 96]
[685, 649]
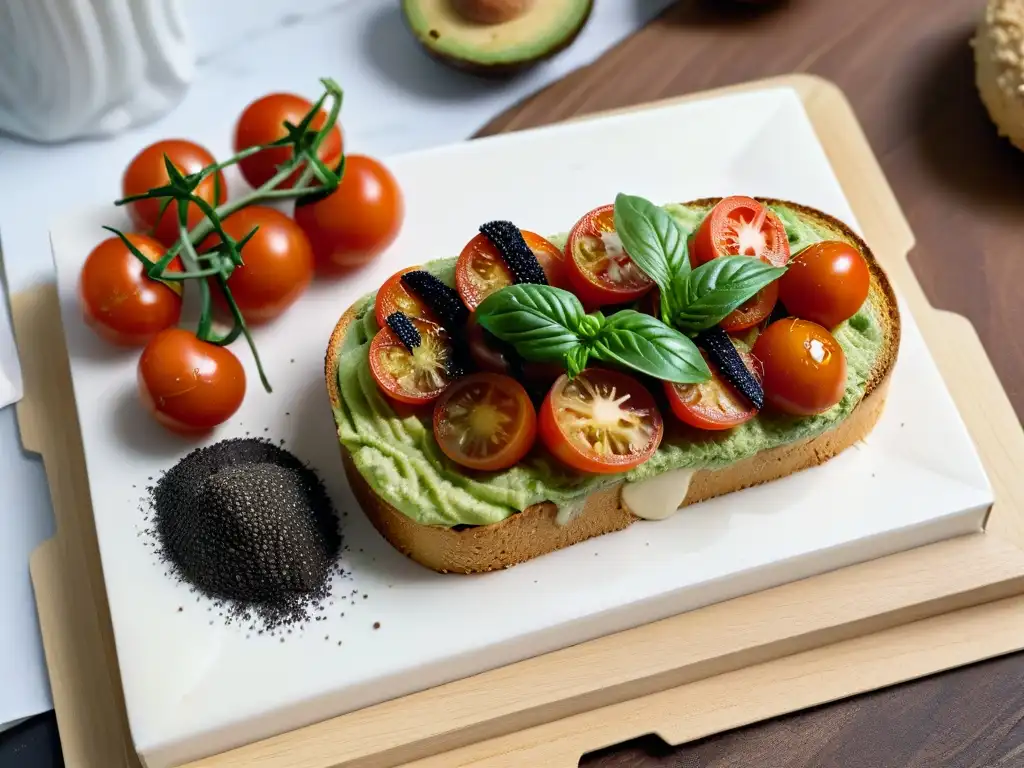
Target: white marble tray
[194, 687]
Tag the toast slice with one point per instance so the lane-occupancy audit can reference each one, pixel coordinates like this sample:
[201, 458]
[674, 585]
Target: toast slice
[535, 531]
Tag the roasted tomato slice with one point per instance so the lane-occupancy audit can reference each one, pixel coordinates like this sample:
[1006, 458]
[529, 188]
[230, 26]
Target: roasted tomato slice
[600, 422]
[804, 367]
[714, 404]
[485, 421]
[600, 270]
[740, 226]
[394, 296]
[414, 376]
[481, 270]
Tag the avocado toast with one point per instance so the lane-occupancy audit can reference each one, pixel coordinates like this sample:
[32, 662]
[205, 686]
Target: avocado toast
[454, 519]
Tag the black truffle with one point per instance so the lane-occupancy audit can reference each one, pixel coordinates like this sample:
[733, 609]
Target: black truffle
[403, 328]
[521, 261]
[716, 342]
[443, 300]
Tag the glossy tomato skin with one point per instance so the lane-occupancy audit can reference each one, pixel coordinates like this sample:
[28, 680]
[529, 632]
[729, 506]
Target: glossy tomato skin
[600, 278]
[394, 296]
[277, 263]
[715, 404]
[119, 302]
[826, 283]
[740, 226]
[569, 442]
[356, 222]
[262, 122]
[188, 385]
[480, 269]
[803, 367]
[147, 170]
[485, 422]
[412, 378]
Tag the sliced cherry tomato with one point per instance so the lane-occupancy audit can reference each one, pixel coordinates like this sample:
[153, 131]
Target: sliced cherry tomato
[740, 226]
[804, 368]
[826, 283]
[599, 269]
[147, 170]
[485, 421]
[356, 222]
[262, 122]
[714, 404]
[119, 301]
[277, 262]
[601, 422]
[481, 270]
[394, 296]
[415, 377]
[189, 385]
[488, 354]
[752, 311]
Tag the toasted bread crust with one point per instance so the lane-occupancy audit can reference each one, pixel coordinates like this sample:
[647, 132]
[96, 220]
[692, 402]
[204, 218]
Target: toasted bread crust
[534, 531]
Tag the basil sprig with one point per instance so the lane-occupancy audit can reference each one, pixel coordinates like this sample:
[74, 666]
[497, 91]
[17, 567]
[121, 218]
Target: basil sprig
[547, 324]
[692, 300]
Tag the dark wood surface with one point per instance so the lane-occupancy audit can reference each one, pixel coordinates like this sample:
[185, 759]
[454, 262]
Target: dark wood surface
[907, 68]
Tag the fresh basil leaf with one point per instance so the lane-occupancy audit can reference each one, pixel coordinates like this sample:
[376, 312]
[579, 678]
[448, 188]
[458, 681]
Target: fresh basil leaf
[716, 288]
[647, 345]
[576, 360]
[542, 322]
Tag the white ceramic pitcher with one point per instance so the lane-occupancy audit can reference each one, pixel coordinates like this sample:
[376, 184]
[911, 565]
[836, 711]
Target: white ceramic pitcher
[90, 68]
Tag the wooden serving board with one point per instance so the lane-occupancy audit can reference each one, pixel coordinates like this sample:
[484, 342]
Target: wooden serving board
[717, 668]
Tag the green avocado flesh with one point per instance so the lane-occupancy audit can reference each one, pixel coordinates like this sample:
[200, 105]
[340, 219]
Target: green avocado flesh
[401, 460]
[546, 27]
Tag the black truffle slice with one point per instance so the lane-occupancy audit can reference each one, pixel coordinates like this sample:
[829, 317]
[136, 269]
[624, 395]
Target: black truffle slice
[444, 301]
[719, 347]
[522, 263]
[403, 328]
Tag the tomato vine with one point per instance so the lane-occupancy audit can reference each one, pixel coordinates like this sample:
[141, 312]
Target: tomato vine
[218, 262]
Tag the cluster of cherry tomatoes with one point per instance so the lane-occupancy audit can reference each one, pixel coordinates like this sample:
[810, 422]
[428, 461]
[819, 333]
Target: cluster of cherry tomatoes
[187, 383]
[604, 420]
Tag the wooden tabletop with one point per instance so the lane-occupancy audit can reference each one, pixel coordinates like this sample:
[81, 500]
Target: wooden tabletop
[907, 69]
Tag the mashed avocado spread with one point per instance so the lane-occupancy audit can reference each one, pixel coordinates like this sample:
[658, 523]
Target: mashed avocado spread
[400, 459]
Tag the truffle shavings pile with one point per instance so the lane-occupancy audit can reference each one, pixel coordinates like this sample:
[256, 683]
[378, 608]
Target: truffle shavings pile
[246, 523]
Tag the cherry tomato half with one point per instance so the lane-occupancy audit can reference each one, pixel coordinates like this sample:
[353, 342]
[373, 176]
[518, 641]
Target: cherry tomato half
[119, 302]
[357, 221]
[262, 122]
[488, 354]
[826, 283]
[752, 311]
[480, 269]
[277, 263]
[740, 226]
[804, 368]
[147, 170]
[485, 421]
[714, 404]
[189, 385]
[599, 269]
[394, 296]
[601, 422]
[415, 377]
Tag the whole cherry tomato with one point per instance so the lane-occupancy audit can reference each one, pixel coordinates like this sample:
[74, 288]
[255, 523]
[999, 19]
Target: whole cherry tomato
[147, 170]
[803, 366]
[826, 283]
[353, 224]
[262, 122]
[119, 301]
[187, 384]
[277, 262]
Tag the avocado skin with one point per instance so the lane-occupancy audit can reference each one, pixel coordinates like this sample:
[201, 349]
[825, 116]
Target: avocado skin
[505, 69]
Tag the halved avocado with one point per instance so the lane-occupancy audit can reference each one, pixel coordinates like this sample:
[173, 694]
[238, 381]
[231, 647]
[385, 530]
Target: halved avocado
[540, 29]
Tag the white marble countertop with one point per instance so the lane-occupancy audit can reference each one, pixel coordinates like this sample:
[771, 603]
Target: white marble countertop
[396, 99]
